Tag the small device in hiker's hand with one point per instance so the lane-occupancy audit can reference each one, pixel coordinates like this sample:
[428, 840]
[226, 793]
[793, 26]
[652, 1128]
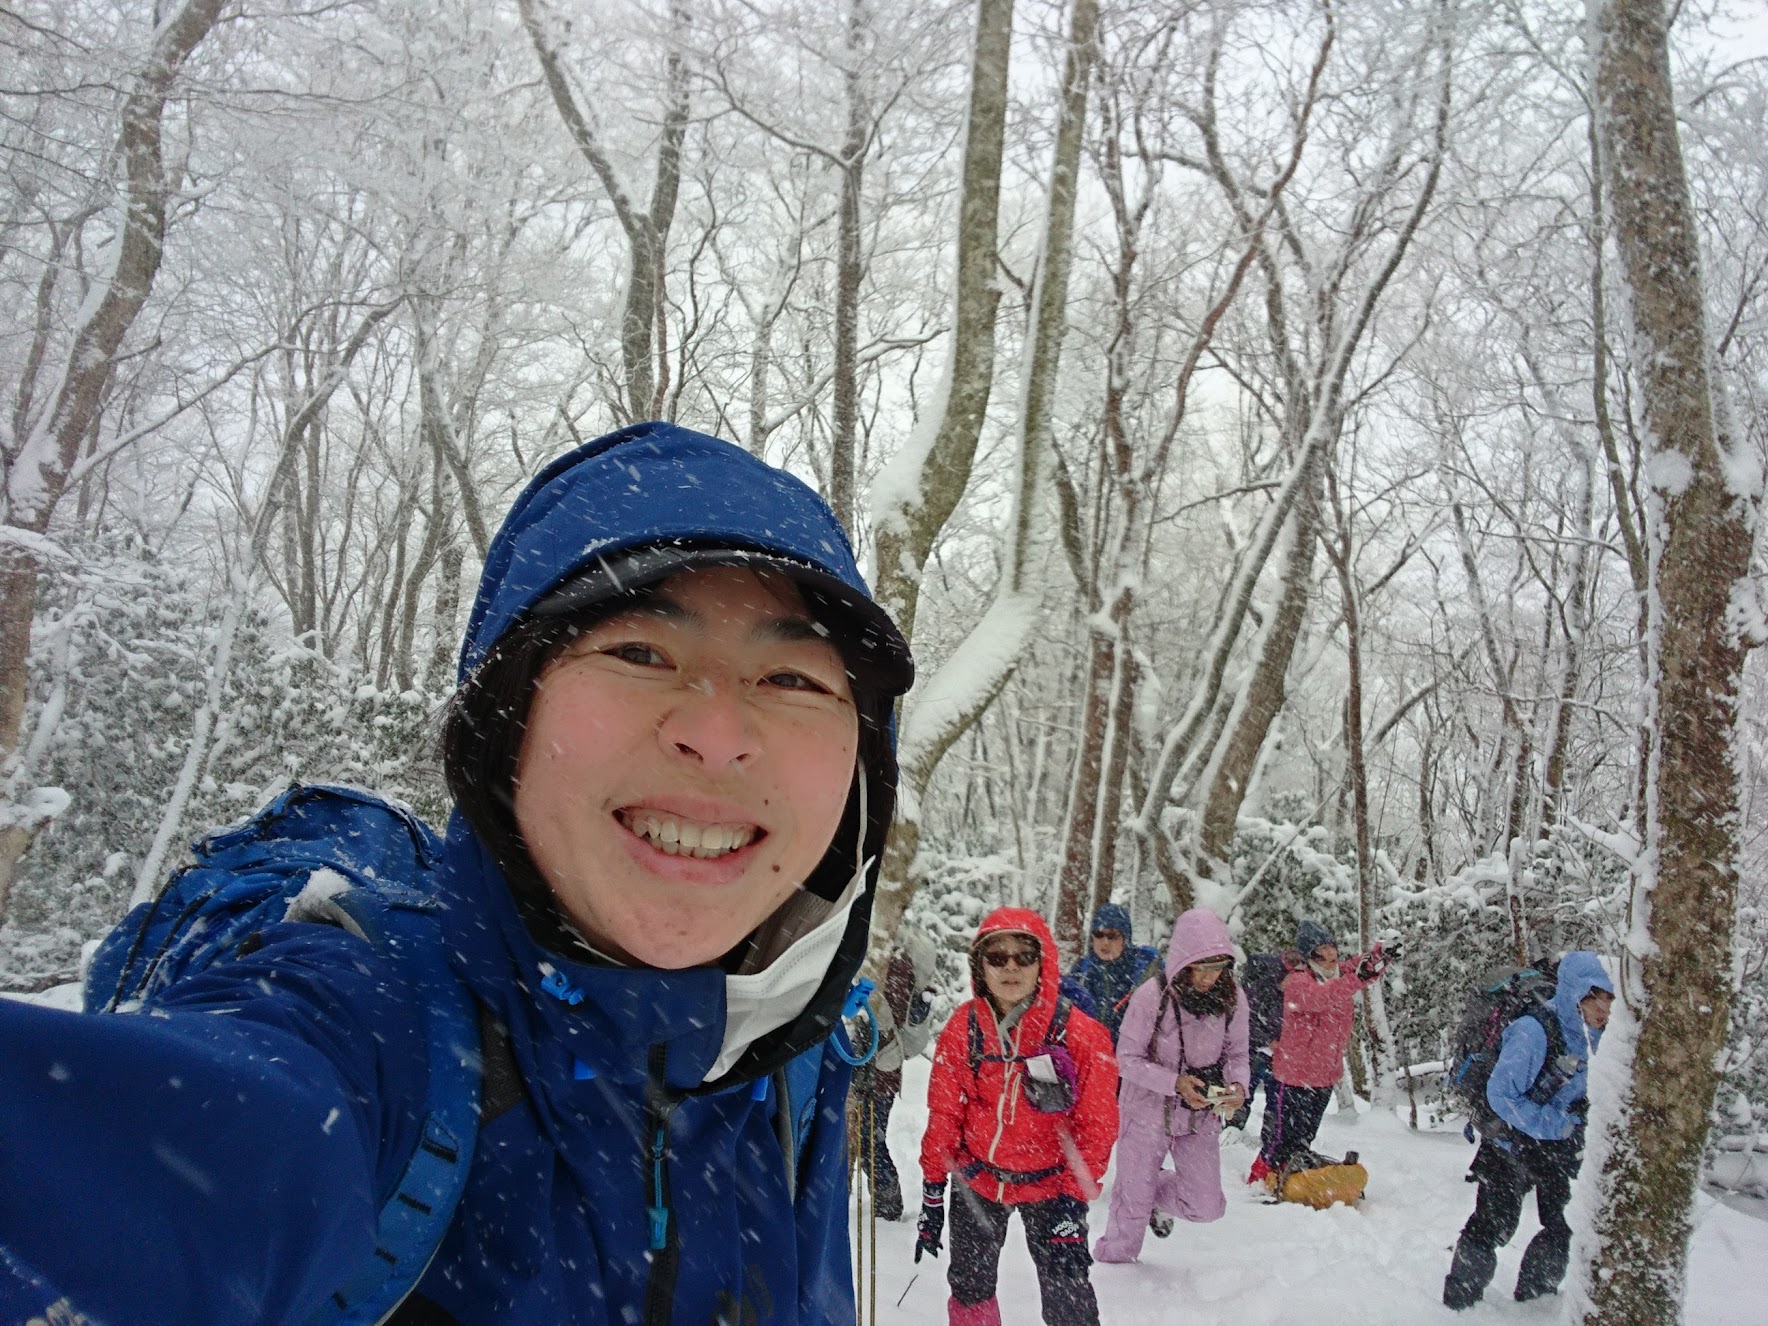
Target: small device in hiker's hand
[1223, 1100]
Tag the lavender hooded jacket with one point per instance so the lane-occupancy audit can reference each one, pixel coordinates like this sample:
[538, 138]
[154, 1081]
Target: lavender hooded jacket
[1149, 1058]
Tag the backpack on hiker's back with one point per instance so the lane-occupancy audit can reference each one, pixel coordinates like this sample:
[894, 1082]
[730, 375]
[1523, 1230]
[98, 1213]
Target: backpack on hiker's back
[1501, 998]
[1261, 982]
[344, 857]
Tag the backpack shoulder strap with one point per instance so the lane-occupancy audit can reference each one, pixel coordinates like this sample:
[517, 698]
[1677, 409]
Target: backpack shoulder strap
[975, 1041]
[1057, 1033]
[795, 1094]
[410, 1226]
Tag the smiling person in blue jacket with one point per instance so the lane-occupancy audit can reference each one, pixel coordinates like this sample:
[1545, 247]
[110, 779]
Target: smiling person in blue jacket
[672, 768]
[1539, 1095]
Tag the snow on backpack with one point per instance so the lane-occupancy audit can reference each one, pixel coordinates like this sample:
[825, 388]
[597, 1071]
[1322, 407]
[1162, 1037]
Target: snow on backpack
[1262, 984]
[344, 857]
[335, 856]
[1501, 999]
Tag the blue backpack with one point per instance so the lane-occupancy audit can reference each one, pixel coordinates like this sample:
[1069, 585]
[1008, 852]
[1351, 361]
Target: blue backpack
[339, 856]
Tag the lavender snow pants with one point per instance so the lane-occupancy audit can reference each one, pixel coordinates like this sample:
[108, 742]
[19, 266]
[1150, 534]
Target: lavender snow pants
[1191, 1190]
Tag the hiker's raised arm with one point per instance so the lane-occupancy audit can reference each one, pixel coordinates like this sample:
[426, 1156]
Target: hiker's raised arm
[213, 1156]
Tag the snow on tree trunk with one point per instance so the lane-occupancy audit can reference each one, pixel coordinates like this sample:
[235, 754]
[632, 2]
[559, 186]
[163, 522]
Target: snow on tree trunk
[950, 701]
[1654, 1083]
[647, 229]
[41, 459]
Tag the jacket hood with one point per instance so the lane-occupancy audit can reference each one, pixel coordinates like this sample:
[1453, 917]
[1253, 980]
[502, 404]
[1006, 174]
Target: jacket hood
[1018, 920]
[1111, 916]
[625, 511]
[1580, 972]
[1198, 933]
[655, 485]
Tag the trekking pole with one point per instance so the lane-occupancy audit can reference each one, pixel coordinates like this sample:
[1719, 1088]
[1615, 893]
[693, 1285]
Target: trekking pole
[859, 1209]
[872, 1141]
[910, 1285]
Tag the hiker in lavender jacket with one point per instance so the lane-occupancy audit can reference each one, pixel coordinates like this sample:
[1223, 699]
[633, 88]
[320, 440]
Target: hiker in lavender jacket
[1180, 1037]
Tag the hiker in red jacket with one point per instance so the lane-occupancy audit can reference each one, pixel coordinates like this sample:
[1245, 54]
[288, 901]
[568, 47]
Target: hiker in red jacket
[1319, 997]
[1022, 1107]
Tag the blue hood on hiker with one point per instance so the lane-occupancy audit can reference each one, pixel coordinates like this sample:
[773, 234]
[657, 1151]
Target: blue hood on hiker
[1110, 916]
[662, 487]
[618, 514]
[1580, 972]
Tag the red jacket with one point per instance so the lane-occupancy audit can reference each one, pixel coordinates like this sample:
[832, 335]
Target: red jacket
[980, 1125]
[1316, 1025]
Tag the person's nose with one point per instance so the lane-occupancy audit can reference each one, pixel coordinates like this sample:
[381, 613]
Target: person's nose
[711, 725]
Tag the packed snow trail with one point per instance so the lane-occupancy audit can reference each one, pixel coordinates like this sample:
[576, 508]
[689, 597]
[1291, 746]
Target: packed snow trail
[1265, 1265]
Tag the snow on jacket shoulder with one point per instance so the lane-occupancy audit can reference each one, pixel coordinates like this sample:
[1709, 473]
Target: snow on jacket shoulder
[1317, 1017]
[980, 1125]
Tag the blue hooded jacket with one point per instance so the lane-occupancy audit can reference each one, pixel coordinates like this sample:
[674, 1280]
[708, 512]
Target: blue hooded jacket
[218, 1156]
[1523, 1054]
[1109, 983]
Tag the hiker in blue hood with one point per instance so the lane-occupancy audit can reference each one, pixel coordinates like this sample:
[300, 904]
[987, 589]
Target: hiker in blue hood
[1113, 967]
[1538, 1091]
[671, 761]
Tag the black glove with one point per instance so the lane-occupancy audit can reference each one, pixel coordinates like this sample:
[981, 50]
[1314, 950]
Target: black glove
[930, 1228]
[1391, 950]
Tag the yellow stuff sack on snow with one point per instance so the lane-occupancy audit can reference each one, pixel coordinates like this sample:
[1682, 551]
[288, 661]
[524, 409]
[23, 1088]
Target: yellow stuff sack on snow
[1324, 1186]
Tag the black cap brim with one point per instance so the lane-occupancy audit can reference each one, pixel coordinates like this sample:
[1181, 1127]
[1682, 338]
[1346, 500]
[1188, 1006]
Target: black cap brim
[871, 646]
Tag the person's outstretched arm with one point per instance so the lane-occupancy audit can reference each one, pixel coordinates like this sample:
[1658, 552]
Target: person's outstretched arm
[216, 1157]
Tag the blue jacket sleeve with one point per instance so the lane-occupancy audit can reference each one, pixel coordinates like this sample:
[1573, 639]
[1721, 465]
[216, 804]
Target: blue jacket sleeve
[1520, 1060]
[219, 1156]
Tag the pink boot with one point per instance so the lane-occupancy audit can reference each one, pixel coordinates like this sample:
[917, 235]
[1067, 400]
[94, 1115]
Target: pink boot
[987, 1313]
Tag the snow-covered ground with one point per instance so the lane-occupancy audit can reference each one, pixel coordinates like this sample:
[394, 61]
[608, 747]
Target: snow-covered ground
[1379, 1265]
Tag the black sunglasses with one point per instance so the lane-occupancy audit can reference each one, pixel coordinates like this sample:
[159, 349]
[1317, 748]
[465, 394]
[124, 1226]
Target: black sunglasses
[1107, 934]
[1019, 957]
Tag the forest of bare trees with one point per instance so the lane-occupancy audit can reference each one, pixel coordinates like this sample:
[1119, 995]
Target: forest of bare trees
[1261, 418]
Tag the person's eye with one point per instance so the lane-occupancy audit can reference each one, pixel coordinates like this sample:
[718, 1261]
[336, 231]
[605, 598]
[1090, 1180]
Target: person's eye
[638, 653]
[787, 680]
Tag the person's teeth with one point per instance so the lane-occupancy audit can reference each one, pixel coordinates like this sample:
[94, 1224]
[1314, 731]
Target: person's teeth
[686, 838]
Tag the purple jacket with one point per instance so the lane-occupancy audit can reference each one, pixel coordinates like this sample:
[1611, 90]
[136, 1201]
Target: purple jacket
[1149, 1058]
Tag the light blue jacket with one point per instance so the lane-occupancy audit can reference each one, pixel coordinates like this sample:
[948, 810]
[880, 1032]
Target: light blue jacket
[1524, 1054]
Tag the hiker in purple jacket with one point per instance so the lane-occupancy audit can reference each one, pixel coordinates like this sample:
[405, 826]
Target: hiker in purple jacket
[1181, 1038]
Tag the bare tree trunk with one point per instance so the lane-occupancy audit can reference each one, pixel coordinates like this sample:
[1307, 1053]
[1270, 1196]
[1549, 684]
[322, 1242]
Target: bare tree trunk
[935, 464]
[962, 690]
[1341, 552]
[647, 230]
[1265, 691]
[1501, 683]
[849, 273]
[1677, 976]
[39, 462]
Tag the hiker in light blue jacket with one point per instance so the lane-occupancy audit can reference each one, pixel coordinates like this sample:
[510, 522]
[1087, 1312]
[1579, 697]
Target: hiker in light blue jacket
[672, 768]
[1539, 1091]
